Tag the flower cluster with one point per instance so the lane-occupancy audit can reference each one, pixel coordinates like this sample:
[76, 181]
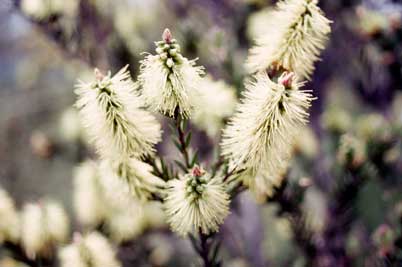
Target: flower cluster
[216, 102]
[88, 196]
[43, 224]
[259, 136]
[122, 131]
[131, 178]
[256, 144]
[113, 116]
[297, 33]
[169, 80]
[102, 199]
[195, 202]
[10, 222]
[91, 250]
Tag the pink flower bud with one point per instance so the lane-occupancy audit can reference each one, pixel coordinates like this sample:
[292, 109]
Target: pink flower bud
[197, 171]
[286, 79]
[167, 36]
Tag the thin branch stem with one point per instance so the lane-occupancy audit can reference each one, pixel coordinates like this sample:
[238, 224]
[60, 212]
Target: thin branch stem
[204, 244]
[152, 161]
[160, 171]
[232, 172]
[204, 250]
[207, 247]
[217, 165]
[178, 120]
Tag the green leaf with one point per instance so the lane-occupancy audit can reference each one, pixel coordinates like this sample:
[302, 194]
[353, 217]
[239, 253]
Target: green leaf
[188, 139]
[183, 124]
[171, 172]
[175, 173]
[195, 159]
[162, 163]
[178, 145]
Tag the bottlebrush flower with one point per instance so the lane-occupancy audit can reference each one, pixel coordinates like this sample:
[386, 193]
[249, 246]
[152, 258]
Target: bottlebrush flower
[263, 183]
[169, 80]
[71, 256]
[124, 222]
[9, 218]
[128, 179]
[111, 112]
[41, 226]
[297, 32]
[216, 101]
[90, 250]
[57, 222]
[196, 201]
[100, 250]
[259, 136]
[70, 128]
[154, 216]
[33, 234]
[89, 203]
[37, 9]
[99, 202]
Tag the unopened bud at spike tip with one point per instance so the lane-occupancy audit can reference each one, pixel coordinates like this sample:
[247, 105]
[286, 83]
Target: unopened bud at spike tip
[98, 74]
[286, 79]
[167, 36]
[197, 171]
[168, 80]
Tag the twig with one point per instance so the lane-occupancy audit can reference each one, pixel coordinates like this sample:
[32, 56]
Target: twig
[234, 171]
[206, 248]
[183, 139]
[203, 246]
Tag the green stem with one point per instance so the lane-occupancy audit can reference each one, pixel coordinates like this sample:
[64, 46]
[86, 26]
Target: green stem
[163, 171]
[181, 137]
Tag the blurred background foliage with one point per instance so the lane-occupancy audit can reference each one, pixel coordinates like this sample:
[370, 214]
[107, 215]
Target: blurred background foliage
[342, 202]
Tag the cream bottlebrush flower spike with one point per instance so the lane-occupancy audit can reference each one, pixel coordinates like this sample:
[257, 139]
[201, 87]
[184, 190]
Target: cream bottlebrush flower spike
[216, 102]
[130, 178]
[88, 197]
[296, 34]
[91, 250]
[195, 202]
[57, 222]
[260, 134]
[125, 222]
[9, 219]
[263, 183]
[43, 225]
[168, 79]
[33, 233]
[111, 112]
